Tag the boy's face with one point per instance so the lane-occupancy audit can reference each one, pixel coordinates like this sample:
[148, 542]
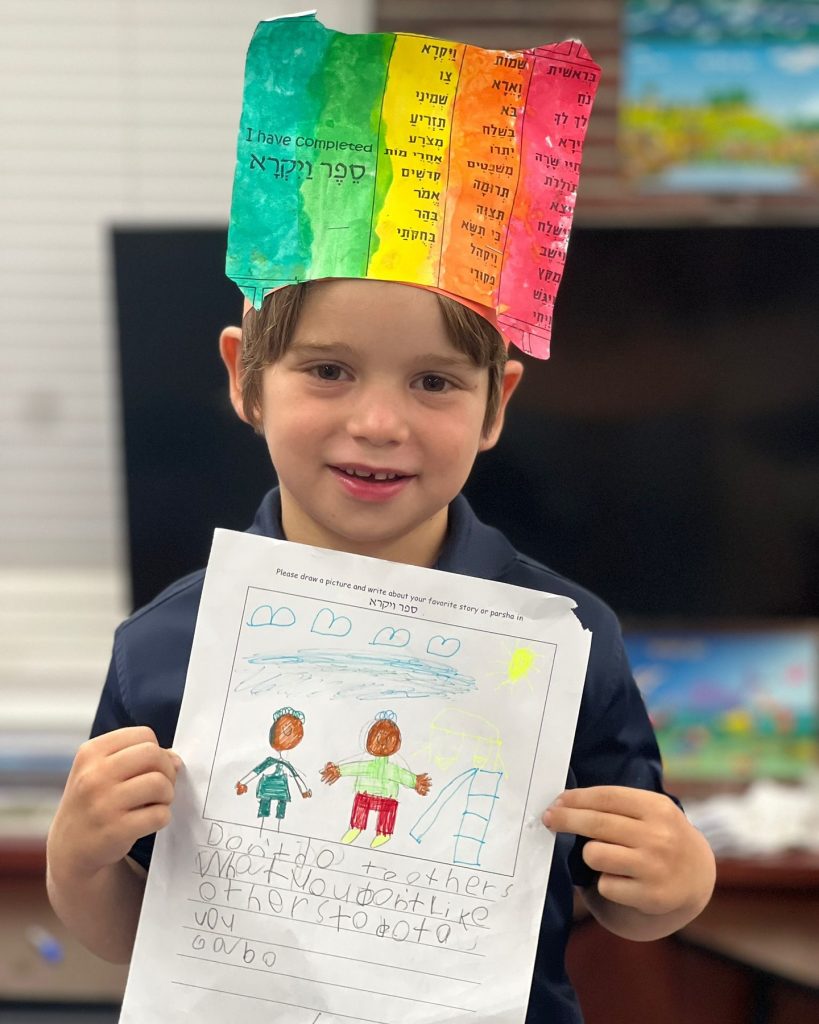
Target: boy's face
[373, 420]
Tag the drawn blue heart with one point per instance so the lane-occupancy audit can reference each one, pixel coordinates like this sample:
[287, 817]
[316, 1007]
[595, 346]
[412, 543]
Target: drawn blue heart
[328, 624]
[443, 646]
[389, 637]
[267, 615]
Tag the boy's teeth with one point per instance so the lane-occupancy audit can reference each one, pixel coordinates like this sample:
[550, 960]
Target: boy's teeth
[364, 475]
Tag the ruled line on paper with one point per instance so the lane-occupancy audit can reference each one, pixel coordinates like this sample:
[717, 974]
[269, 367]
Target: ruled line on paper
[335, 956]
[319, 924]
[331, 984]
[279, 1002]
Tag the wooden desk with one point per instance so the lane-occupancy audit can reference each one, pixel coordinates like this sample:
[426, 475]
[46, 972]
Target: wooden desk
[752, 957]
[765, 915]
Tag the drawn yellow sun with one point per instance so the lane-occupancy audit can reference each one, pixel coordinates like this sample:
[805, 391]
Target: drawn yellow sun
[521, 663]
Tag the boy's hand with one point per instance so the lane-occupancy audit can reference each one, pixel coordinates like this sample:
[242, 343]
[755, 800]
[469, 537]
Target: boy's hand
[120, 788]
[650, 857]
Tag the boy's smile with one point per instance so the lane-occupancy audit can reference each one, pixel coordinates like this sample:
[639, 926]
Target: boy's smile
[373, 420]
[369, 484]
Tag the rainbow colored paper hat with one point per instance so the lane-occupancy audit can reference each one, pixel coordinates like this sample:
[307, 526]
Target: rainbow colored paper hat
[404, 158]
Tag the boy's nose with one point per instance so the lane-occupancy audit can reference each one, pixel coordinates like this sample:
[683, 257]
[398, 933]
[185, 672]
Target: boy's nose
[378, 417]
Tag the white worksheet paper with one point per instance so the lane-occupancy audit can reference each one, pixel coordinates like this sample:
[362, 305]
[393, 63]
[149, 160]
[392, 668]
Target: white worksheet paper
[261, 918]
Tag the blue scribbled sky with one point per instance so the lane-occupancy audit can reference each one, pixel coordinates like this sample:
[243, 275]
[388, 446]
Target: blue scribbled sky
[365, 675]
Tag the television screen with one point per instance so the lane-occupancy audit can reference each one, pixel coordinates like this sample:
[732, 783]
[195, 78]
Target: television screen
[666, 456]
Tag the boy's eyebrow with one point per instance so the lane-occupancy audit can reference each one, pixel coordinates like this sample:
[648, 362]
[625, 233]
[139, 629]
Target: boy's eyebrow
[457, 359]
[320, 346]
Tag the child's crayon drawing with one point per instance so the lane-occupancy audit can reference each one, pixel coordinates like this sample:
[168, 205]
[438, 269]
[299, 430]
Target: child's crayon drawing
[377, 781]
[371, 863]
[286, 732]
[443, 646]
[347, 674]
[266, 615]
[479, 800]
[327, 623]
[521, 663]
[460, 739]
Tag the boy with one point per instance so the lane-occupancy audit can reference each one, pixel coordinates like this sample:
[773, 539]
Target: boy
[374, 399]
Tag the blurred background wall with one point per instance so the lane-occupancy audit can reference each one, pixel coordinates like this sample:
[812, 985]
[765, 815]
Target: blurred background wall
[122, 114]
[111, 112]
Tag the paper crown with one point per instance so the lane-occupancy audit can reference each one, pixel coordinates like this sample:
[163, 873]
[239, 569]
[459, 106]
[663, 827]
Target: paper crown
[405, 158]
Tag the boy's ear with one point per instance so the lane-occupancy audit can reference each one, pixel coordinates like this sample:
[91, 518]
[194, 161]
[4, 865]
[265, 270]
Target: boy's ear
[512, 373]
[230, 349]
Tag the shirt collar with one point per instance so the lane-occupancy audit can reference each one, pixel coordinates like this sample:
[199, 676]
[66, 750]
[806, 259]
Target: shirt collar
[470, 548]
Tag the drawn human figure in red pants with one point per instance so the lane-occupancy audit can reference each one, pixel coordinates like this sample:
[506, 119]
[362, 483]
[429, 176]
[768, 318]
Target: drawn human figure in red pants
[377, 781]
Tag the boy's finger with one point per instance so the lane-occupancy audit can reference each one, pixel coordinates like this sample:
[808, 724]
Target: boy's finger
[610, 859]
[619, 889]
[145, 820]
[120, 739]
[145, 791]
[140, 760]
[607, 828]
[622, 800]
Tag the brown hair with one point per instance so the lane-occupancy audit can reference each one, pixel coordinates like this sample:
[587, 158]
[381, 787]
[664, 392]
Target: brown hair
[267, 333]
[383, 738]
[286, 732]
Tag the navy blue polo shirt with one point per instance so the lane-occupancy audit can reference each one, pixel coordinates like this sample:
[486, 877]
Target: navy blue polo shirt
[614, 743]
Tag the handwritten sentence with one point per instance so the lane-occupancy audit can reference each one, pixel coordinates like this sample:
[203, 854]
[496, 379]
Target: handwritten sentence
[242, 887]
[347, 891]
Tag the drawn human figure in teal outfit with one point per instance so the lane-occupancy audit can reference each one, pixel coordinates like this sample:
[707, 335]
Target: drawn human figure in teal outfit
[286, 732]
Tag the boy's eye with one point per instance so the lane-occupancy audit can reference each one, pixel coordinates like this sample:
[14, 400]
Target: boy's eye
[432, 382]
[327, 371]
